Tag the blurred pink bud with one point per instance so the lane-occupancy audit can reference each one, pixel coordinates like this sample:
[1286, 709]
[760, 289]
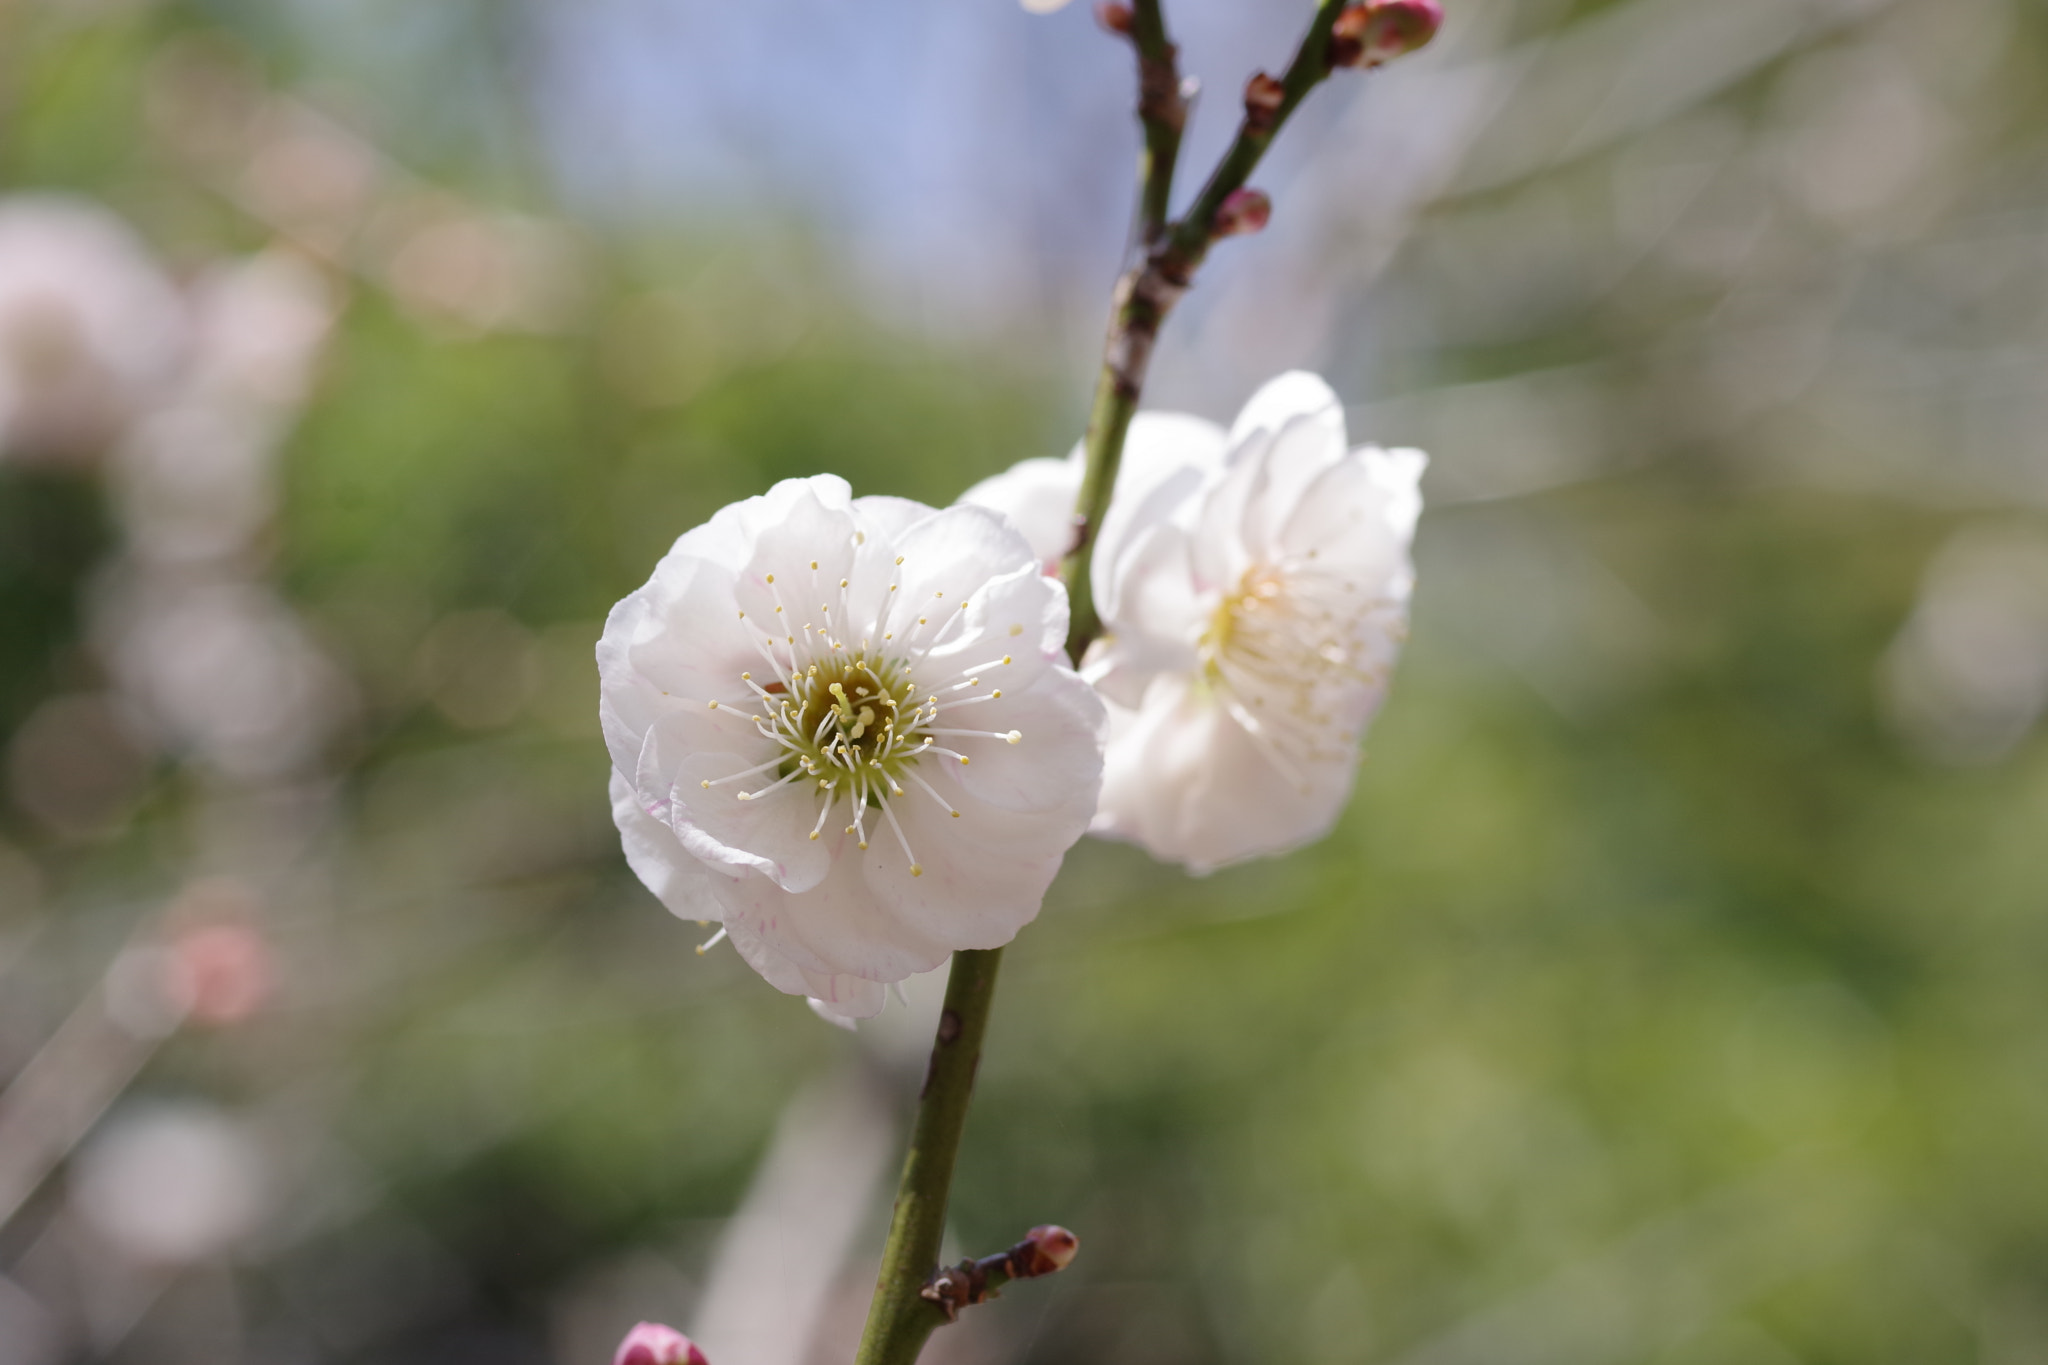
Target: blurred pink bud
[1381, 30]
[1243, 211]
[222, 972]
[1045, 1249]
[1115, 17]
[651, 1343]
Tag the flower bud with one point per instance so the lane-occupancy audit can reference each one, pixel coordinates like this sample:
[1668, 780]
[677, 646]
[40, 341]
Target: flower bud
[651, 1343]
[1243, 211]
[1380, 30]
[1116, 17]
[1262, 98]
[1045, 1249]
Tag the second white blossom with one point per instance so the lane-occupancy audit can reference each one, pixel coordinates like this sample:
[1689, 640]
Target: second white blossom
[1253, 587]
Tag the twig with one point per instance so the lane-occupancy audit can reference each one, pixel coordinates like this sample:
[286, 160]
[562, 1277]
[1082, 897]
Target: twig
[1045, 1250]
[912, 1299]
[1163, 112]
[1148, 291]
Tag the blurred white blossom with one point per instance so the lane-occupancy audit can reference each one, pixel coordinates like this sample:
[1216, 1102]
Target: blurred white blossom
[223, 671]
[259, 327]
[1967, 677]
[170, 1184]
[845, 728]
[91, 329]
[1253, 586]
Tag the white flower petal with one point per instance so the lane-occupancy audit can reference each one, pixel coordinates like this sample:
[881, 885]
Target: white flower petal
[949, 555]
[1012, 631]
[774, 966]
[1361, 512]
[1063, 728]
[1299, 452]
[768, 834]
[889, 517]
[806, 554]
[676, 641]
[1038, 495]
[1285, 398]
[1167, 459]
[678, 880]
[1165, 455]
[842, 999]
[837, 928]
[836, 1015]
[1218, 556]
[1189, 783]
[983, 876]
[1160, 623]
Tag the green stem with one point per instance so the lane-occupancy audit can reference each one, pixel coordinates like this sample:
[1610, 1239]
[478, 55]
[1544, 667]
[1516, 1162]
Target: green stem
[1147, 293]
[900, 1319]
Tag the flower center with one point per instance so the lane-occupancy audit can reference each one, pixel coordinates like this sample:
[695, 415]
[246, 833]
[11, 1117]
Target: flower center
[849, 724]
[845, 717]
[1289, 652]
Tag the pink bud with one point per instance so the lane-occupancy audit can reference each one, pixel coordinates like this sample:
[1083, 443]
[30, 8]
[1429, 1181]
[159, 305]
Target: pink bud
[221, 972]
[1117, 18]
[1381, 30]
[1243, 211]
[218, 967]
[1045, 1249]
[650, 1343]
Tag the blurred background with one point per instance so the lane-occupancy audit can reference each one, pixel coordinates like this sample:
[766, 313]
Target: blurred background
[1675, 989]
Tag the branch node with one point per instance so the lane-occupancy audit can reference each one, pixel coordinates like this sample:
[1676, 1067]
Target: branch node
[956, 1287]
[1159, 89]
[1046, 1250]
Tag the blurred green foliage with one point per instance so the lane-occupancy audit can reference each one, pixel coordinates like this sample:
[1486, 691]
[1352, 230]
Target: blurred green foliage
[1650, 1003]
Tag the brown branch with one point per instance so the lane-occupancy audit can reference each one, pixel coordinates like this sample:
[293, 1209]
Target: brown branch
[1163, 113]
[1148, 292]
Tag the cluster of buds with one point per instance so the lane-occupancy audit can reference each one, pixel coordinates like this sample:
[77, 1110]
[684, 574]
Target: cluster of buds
[651, 1343]
[1378, 31]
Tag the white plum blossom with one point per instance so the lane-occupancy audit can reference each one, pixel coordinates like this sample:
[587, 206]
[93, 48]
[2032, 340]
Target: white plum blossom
[91, 329]
[845, 729]
[194, 479]
[1253, 586]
